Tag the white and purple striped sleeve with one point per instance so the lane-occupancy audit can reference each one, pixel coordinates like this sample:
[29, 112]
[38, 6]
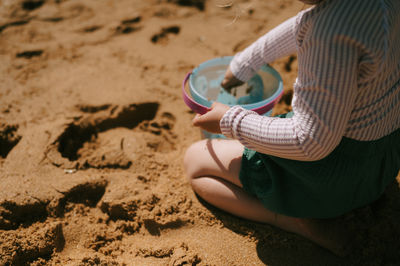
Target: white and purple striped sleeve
[324, 96]
[277, 43]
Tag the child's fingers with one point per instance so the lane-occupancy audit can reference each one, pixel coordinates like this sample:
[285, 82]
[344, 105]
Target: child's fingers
[203, 120]
[210, 120]
[230, 81]
[197, 120]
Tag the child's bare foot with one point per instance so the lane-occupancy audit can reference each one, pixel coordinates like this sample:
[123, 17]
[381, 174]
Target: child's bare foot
[330, 234]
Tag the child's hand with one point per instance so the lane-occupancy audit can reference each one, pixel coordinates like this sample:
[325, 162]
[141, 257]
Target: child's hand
[230, 81]
[210, 120]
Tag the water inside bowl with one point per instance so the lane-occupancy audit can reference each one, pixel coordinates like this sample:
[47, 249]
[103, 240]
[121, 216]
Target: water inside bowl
[259, 93]
[207, 83]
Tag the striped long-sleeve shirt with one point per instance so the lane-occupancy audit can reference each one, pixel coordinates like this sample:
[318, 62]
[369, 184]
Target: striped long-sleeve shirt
[347, 85]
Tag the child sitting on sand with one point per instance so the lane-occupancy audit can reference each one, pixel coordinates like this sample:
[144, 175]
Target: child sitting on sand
[339, 148]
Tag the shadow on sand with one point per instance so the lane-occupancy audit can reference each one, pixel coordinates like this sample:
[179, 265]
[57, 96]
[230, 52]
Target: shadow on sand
[375, 232]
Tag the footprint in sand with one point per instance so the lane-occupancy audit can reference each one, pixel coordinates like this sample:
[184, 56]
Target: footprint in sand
[162, 36]
[90, 29]
[29, 54]
[112, 136]
[26, 213]
[8, 138]
[13, 24]
[128, 25]
[199, 4]
[32, 4]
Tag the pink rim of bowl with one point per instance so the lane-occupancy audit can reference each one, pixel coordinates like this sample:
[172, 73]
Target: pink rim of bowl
[201, 109]
[196, 107]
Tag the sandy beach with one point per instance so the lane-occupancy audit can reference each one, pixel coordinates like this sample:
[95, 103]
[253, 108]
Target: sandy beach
[93, 131]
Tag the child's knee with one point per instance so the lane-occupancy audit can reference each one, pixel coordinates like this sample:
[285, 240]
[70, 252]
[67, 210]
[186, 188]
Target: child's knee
[187, 159]
[191, 159]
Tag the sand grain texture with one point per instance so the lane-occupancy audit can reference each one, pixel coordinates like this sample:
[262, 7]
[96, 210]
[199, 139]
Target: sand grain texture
[93, 131]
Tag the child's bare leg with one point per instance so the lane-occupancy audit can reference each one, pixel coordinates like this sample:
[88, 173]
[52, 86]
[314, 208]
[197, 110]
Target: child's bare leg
[213, 166]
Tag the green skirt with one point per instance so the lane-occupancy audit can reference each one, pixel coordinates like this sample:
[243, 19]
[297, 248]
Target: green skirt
[355, 174]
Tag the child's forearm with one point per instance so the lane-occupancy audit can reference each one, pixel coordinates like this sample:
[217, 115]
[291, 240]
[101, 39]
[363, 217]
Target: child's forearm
[277, 43]
[286, 138]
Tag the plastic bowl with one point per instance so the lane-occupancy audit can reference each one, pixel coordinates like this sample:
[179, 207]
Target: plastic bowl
[259, 94]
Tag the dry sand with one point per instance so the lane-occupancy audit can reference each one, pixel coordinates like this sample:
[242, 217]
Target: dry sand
[93, 129]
